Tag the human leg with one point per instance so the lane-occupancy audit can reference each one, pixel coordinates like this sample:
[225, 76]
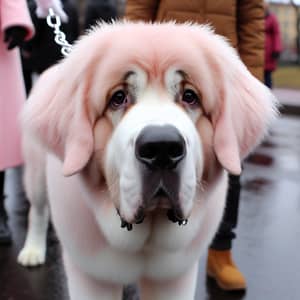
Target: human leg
[5, 233]
[220, 264]
[268, 79]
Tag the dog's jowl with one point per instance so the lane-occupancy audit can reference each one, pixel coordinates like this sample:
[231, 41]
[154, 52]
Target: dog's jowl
[128, 143]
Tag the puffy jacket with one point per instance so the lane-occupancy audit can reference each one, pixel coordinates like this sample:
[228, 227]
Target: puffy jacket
[241, 21]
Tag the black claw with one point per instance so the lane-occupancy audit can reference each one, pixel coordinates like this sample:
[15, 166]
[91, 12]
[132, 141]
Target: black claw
[126, 224]
[123, 223]
[129, 226]
[182, 222]
[139, 217]
[172, 217]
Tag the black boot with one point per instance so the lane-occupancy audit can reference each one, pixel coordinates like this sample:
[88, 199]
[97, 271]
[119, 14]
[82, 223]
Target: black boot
[5, 233]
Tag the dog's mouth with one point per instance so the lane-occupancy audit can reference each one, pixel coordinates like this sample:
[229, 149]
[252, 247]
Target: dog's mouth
[173, 215]
[160, 192]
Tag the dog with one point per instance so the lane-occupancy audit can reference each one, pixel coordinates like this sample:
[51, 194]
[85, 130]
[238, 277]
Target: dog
[131, 139]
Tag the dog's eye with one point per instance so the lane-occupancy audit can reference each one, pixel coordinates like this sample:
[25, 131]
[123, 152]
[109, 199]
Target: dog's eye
[119, 99]
[190, 97]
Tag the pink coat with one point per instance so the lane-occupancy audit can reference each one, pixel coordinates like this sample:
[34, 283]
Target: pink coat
[272, 41]
[12, 91]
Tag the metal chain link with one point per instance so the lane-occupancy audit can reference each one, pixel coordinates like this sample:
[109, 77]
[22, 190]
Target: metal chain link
[53, 21]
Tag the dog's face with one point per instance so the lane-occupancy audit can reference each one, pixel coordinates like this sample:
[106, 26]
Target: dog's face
[155, 110]
[154, 157]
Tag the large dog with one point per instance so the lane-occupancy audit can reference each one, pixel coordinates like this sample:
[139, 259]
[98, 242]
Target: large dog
[131, 138]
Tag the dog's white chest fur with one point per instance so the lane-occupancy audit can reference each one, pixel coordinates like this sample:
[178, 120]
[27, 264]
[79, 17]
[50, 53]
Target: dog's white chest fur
[157, 248]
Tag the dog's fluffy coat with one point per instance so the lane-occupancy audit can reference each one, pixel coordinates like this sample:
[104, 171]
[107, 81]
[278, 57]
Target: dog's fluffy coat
[83, 147]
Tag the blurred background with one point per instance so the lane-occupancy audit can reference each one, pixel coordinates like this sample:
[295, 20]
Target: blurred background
[288, 14]
[267, 248]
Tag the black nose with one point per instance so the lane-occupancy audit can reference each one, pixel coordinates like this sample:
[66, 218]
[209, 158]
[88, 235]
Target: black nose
[160, 147]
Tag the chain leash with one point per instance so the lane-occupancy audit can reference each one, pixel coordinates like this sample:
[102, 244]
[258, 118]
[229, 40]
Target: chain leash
[54, 21]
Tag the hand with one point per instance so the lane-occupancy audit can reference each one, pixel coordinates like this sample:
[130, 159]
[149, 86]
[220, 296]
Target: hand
[44, 5]
[275, 55]
[14, 36]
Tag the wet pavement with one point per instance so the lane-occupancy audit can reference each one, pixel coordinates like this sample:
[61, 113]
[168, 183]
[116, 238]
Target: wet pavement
[268, 233]
[289, 99]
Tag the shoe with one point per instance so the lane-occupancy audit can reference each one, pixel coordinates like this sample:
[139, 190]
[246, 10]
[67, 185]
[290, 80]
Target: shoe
[222, 269]
[5, 233]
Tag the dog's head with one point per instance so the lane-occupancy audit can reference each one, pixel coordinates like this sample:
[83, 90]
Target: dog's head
[155, 110]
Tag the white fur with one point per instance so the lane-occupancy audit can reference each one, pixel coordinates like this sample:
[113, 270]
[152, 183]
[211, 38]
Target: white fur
[80, 151]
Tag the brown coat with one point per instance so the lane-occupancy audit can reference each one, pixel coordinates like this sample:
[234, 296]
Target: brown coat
[241, 21]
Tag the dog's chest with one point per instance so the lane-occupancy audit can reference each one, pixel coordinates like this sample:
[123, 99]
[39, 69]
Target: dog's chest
[166, 250]
[168, 236]
[160, 258]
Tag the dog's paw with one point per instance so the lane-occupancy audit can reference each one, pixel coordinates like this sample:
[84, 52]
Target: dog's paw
[31, 256]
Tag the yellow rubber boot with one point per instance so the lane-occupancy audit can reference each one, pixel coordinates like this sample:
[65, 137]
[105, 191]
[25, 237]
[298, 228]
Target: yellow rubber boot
[221, 267]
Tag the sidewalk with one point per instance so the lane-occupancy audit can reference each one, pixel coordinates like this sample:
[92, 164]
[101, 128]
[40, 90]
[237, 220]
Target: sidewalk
[290, 100]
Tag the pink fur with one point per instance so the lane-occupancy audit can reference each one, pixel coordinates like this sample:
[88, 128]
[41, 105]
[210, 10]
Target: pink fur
[67, 127]
[240, 106]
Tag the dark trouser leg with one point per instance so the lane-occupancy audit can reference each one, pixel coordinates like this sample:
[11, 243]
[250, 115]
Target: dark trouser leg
[225, 235]
[268, 79]
[5, 234]
[2, 210]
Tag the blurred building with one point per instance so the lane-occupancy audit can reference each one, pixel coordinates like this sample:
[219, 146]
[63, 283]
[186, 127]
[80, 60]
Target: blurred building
[287, 17]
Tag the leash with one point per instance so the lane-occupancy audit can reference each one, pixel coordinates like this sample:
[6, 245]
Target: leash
[54, 21]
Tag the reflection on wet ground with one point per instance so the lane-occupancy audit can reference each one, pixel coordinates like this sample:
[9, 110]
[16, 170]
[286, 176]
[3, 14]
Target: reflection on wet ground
[268, 234]
[260, 159]
[257, 185]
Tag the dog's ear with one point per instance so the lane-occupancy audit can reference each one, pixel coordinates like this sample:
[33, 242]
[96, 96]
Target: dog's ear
[60, 113]
[245, 109]
[56, 115]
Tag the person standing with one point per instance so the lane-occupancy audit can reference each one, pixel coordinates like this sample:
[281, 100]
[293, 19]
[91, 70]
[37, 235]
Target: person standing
[272, 45]
[15, 28]
[242, 23]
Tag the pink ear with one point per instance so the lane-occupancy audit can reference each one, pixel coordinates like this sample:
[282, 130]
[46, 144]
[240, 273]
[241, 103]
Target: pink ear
[226, 144]
[78, 146]
[240, 107]
[76, 159]
[56, 114]
[246, 108]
